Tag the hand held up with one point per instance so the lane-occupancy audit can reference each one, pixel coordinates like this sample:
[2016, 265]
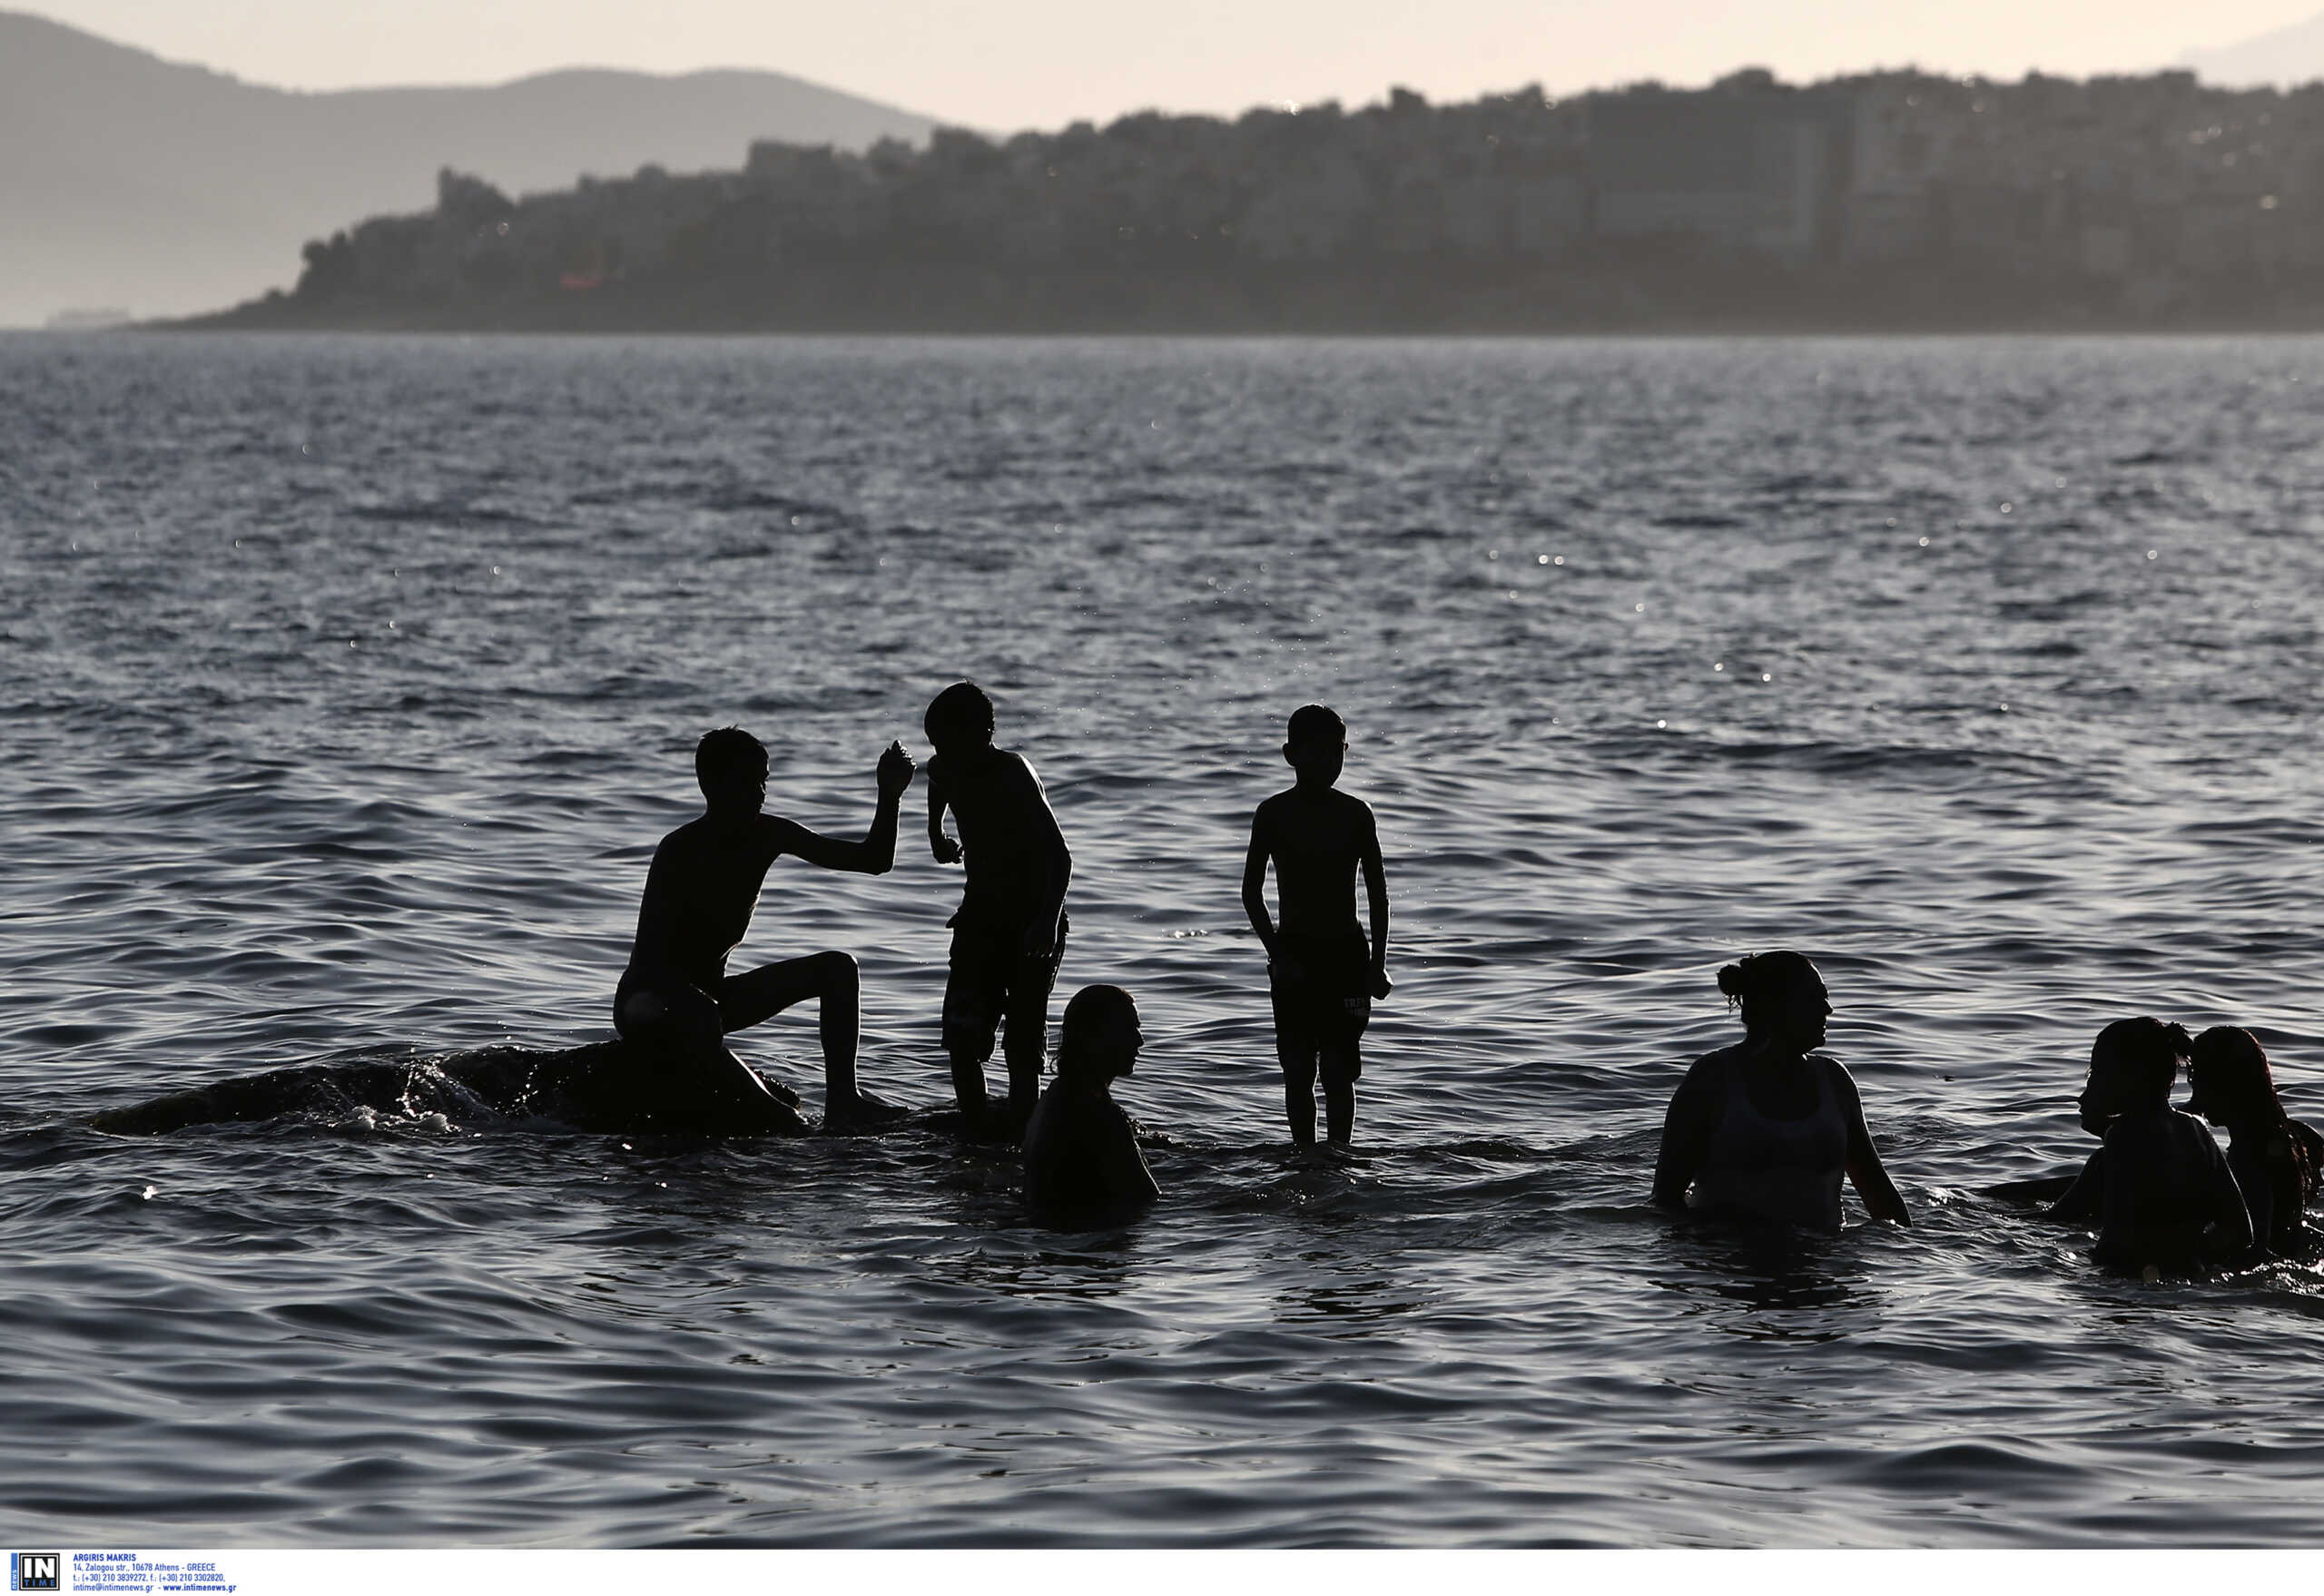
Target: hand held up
[895, 771]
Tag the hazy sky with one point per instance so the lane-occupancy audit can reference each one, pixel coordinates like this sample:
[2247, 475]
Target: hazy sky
[1008, 64]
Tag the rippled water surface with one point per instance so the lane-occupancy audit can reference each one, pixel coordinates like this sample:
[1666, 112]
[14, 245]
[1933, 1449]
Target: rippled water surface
[348, 684]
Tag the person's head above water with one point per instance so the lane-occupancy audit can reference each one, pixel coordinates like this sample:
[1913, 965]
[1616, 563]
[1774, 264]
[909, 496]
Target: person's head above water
[2131, 1066]
[2228, 1080]
[1318, 745]
[960, 719]
[1098, 1039]
[1782, 996]
[731, 766]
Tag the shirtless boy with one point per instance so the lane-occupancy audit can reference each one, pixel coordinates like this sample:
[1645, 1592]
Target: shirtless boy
[1321, 973]
[677, 997]
[1010, 933]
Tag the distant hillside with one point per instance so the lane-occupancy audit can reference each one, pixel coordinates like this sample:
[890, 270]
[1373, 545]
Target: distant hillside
[1884, 201]
[2282, 56]
[129, 180]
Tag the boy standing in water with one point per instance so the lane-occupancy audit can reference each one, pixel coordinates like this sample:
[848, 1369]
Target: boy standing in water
[677, 998]
[1010, 933]
[1321, 973]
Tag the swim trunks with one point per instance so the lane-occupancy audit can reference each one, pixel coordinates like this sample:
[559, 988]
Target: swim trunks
[1327, 1008]
[644, 1007]
[995, 987]
[648, 1083]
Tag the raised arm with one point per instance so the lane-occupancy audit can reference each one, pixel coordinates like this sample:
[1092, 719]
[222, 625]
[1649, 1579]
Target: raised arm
[1687, 1126]
[1375, 896]
[876, 853]
[1254, 885]
[1866, 1171]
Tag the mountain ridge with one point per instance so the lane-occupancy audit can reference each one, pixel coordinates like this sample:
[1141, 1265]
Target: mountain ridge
[2284, 56]
[167, 187]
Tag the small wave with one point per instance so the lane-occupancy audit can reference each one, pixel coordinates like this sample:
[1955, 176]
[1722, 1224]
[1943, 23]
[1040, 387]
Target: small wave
[1857, 758]
[439, 513]
[1980, 1468]
[2055, 608]
[731, 500]
[1796, 483]
[2266, 831]
[589, 1089]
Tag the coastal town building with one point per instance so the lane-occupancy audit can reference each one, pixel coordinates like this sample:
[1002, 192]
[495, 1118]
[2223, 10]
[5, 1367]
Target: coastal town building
[1879, 196]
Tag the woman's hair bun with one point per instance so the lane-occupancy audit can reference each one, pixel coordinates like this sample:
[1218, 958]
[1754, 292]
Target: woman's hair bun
[1733, 979]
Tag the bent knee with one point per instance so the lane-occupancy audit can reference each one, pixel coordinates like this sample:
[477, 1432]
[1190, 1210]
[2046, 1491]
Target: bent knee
[838, 969]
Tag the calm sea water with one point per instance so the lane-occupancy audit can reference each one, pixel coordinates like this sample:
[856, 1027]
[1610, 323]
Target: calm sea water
[345, 686]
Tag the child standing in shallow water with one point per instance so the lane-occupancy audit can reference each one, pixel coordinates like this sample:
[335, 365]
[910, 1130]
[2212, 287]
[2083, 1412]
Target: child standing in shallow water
[1321, 973]
[1010, 933]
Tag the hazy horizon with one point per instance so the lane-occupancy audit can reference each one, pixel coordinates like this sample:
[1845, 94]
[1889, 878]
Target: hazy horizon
[1040, 63]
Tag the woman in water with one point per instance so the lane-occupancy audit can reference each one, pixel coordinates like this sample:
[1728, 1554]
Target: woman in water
[1081, 1154]
[1765, 1129]
[2274, 1156]
[2158, 1188]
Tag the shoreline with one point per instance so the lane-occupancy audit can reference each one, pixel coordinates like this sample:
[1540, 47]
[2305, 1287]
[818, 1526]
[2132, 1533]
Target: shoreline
[1602, 299]
[229, 322]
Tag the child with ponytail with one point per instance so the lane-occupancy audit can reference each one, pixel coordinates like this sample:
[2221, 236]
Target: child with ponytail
[2275, 1157]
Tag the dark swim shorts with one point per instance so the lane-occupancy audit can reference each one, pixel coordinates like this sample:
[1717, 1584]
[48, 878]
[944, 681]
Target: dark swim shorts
[1328, 1007]
[994, 987]
[646, 1010]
